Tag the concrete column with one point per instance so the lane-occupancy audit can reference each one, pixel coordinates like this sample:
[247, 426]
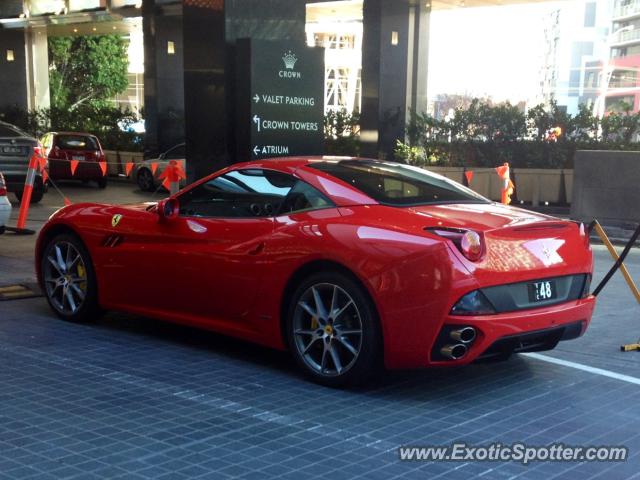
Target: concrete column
[37, 53]
[418, 58]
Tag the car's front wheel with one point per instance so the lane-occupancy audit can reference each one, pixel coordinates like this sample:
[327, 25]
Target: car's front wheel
[333, 330]
[69, 279]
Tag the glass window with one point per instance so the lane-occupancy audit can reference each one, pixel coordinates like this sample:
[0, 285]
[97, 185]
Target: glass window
[238, 194]
[176, 153]
[590, 14]
[11, 8]
[303, 197]
[399, 185]
[251, 193]
[44, 7]
[9, 131]
[79, 5]
[76, 142]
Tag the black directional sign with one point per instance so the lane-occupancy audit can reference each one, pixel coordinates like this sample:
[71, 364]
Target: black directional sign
[283, 99]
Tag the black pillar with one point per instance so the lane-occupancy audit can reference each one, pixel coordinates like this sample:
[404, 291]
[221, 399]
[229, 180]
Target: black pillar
[204, 84]
[394, 71]
[13, 76]
[163, 76]
[190, 94]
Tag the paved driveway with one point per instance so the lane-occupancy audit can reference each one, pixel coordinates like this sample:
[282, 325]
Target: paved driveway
[129, 397]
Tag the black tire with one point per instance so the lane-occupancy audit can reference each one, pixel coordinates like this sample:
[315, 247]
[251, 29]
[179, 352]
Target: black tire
[102, 182]
[36, 195]
[88, 309]
[2, 229]
[144, 179]
[357, 368]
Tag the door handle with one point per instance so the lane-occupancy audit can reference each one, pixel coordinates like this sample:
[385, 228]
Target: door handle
[257, 250]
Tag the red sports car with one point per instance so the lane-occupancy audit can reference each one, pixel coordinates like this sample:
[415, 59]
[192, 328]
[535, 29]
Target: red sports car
[351, 264]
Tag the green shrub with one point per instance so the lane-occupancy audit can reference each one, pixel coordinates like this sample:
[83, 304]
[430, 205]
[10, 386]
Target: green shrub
[107, 123]
[486, 135]
[342, 133]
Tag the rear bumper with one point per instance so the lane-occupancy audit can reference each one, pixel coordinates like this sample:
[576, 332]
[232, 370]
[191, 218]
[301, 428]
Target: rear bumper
[5, 211]
[86, 170]
[524, 330]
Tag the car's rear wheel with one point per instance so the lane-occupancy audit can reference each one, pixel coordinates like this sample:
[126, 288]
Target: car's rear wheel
[69, 279]
[333, 330]
[36, 195]
[145, 180]
[102, 183]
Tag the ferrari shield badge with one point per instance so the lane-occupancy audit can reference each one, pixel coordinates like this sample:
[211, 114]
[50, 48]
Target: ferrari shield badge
[116, 220]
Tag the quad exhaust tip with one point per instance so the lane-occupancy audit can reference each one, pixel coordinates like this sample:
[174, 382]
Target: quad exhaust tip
[454, 352]
[464, 335]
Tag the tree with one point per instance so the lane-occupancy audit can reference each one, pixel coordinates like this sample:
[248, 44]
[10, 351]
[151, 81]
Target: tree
[88, 70]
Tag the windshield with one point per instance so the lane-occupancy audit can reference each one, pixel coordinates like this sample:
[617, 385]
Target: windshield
[397, 184]
[11, 131]
[76, 142]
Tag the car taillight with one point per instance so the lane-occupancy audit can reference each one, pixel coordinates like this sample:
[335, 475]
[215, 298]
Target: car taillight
[584, 233]
[3, 187]
[469, 242]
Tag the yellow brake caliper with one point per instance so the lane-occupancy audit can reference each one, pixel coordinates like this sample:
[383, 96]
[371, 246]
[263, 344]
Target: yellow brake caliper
[82, 274]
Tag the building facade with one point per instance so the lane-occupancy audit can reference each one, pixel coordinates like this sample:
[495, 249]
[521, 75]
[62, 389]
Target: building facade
[622, 82]
[576, 43]
[376, 61]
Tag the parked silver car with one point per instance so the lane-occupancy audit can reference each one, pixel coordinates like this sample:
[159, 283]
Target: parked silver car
[16, 149]
[144, 175]
[5, 205]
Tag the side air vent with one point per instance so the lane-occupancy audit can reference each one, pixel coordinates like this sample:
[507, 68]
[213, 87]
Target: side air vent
[112, 241]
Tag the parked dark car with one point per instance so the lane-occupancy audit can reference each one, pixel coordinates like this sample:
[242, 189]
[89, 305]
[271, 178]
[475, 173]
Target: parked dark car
[16, 149]
[63, 147]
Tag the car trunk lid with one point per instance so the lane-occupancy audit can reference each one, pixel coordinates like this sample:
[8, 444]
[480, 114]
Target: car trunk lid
[518, 244]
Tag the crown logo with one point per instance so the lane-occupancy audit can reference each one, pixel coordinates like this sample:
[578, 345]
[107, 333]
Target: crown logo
[289, 60]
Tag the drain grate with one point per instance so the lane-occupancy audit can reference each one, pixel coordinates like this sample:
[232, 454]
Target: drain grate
[18, 292]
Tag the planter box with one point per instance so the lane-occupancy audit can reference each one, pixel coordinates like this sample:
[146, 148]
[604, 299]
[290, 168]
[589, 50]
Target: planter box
[487, 183]
[568, 184]
[536, 185]
[452, 173]
[533, 185]
[117, 160]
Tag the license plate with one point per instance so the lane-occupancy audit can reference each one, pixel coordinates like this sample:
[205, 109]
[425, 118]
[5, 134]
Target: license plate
[17, 150]
[542, 291]
[77, 157]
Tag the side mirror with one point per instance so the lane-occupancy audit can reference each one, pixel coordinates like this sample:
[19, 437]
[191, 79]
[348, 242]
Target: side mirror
[168, 209]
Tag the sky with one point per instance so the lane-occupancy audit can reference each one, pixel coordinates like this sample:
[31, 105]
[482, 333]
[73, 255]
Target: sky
[490, 51]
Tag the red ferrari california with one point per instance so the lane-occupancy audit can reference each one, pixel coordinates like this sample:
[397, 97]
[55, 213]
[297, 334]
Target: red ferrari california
[351, 264]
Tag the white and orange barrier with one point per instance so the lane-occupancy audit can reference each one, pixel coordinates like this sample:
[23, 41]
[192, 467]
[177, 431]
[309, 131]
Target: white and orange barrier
[507, 185]
[172, 175]
[34, 165]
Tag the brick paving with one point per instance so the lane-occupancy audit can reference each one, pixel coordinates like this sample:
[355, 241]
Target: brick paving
[133, 398]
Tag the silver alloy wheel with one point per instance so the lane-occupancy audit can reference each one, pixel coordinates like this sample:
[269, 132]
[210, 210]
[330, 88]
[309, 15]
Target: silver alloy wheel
[65, 277]
[327, 329]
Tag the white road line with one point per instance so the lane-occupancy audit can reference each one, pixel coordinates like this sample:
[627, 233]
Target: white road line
[585, 368]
